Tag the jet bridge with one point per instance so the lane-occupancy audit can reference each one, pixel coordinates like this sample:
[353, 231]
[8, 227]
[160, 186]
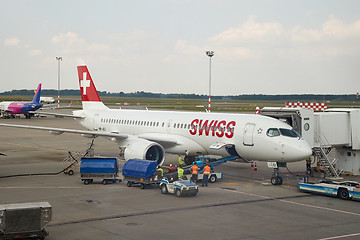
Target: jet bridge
[334, 136]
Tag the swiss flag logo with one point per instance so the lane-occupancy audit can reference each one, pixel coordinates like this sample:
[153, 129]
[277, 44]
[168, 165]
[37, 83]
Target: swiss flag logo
[87, 87]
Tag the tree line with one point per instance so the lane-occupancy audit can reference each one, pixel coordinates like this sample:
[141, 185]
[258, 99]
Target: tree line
[243, 97]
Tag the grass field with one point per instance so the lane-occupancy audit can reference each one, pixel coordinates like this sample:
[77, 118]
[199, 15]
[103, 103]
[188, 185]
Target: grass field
[223, 105]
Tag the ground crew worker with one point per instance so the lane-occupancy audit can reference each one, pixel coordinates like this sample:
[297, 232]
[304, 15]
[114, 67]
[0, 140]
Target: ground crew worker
[161, 171]
[194, 172]
[180, 172]
[181, 162]
[206, 175]
[308, 166]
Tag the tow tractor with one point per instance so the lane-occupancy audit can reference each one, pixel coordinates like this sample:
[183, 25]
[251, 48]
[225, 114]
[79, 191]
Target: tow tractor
[179, 188]
[343, 190]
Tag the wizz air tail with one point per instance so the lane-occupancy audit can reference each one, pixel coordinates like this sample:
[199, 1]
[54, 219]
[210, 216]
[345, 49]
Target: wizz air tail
[89, 95]
[36, 98]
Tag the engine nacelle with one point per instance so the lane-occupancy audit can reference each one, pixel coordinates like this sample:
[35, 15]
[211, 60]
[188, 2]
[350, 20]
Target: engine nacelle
[145, 150]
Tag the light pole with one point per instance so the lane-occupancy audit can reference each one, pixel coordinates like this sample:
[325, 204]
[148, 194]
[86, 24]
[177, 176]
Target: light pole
[59, 59]
[210, 54]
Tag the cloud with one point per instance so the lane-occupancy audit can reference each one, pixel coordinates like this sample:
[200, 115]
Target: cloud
[188, 49]
[11, 42]
[333, 29]
[71, 44]
[35, 52]
[251, 30]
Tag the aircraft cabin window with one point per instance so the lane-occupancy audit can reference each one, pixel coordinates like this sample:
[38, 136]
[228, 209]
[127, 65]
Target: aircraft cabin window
[163, 124]
[273, 132]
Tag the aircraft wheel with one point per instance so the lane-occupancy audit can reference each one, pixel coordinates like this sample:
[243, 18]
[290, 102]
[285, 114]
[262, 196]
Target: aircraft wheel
[164, 189]
[274, 181]
[343, 194]
[280, 180]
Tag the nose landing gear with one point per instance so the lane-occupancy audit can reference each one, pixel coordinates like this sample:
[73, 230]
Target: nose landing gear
[276, 179]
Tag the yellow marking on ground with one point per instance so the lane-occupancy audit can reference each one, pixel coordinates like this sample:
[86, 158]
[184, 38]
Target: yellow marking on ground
[248, 186]
[230, 183]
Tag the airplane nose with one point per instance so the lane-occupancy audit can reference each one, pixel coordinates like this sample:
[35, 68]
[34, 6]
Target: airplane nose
[298, 152]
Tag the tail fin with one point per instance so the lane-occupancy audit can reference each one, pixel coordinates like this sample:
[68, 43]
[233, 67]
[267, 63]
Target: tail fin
[36, 98]
[89, 95]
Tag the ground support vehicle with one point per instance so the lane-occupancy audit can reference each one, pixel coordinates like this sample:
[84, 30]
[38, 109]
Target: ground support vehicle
[213, 177]
[179, 188]
[141, 172]
[343, 190]
[24, 220]
[212, 163]
[99, 169]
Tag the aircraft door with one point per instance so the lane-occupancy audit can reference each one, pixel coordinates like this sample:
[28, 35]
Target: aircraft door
[168, 125]
[249, 134]
[95, 122]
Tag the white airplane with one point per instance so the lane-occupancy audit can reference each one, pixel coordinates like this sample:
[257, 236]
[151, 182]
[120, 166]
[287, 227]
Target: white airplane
[144, 134]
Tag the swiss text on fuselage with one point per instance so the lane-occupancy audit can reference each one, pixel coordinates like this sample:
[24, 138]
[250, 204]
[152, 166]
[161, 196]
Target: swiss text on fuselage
[212, 127]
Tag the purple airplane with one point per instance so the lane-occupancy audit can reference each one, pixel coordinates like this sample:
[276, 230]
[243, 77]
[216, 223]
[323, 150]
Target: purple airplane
[11, 108]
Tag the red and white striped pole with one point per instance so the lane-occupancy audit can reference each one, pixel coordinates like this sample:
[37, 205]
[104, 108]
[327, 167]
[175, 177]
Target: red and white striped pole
[210, 54]
[59, 59]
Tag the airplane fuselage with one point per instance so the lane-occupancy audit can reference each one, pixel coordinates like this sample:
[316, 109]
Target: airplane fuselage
[245, 135]
[19, 107]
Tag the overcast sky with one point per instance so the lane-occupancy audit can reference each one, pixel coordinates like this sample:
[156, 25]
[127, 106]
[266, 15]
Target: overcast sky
[261, 46]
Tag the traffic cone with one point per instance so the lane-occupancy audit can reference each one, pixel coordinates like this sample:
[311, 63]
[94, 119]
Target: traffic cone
[252, 164]
[255, 167]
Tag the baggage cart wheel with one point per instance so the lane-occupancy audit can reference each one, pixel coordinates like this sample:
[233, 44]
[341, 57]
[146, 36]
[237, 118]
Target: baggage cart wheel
[178, 192]
[128, 184]
[142, 186]
[71, 172]
[212, 178]
[87, 181]
[114, 180]
[104, 182]
[163, 189]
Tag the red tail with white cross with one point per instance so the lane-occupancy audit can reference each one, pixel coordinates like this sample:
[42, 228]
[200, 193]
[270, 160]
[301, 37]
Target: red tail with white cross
[89, 96]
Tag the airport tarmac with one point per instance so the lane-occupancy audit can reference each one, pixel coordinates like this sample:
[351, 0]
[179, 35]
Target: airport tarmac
[243, 205]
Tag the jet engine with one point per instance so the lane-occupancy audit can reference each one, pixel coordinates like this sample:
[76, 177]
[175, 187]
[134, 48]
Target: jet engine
[145, 150]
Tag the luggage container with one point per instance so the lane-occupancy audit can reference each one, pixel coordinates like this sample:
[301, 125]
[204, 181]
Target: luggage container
[24, 220]
[140, 172]
[99, 169]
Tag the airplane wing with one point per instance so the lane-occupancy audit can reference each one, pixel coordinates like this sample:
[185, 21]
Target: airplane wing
[55, 114]
[159, 138]
[58, 131]
[55, 106]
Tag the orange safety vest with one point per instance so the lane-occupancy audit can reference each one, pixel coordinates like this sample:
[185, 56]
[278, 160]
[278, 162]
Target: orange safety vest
[194, 169]
[207, 170]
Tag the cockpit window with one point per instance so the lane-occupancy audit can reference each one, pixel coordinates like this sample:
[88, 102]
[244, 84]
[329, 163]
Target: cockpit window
[273, 132]
[289, 133]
